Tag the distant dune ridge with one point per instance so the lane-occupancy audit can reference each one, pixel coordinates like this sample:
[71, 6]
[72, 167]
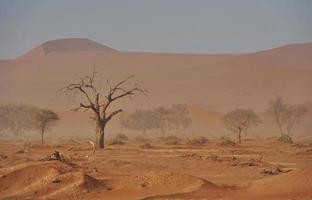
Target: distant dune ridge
[66, 45]
[214, 82]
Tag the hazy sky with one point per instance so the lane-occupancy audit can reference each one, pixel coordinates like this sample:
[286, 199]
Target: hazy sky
[196, 26]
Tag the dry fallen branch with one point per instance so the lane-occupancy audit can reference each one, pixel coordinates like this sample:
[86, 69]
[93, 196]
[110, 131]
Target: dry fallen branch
[56, 155]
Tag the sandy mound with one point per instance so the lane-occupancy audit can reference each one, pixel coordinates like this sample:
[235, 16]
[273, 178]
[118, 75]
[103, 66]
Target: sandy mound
[156, 183]
[162, 179]
[45, 180]
[297, 183]
[207, 189]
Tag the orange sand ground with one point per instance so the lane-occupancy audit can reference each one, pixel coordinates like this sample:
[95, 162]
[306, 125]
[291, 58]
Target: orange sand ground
[160, 171]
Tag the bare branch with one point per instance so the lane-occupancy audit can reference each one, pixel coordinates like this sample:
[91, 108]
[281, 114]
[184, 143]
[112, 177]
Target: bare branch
[88, 89]
[82, 106]
[110, 116]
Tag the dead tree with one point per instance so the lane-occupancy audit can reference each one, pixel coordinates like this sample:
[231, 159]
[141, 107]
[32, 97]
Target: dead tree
[98, 103]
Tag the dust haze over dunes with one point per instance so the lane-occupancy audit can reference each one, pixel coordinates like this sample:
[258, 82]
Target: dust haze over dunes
[211, 82]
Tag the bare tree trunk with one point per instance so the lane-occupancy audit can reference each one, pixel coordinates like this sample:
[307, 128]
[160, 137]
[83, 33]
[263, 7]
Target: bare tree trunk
[239, 137]
[101, 145]
[288, 131]
[87, 88]
[162, 130]
[99, 138]
[41, 137]
[281, 130]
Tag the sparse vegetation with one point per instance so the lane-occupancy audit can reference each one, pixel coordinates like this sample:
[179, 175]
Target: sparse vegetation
[146, 145]
[122, 136]
[180, 117]
[286, 139]
[171, 140]
[118, 139]
[240, 120]
[19, 118]
[43, 121]
[160, 118]
[141, 139]
[197, 141]
[140, 120]
[227, 142]
[115, 141]
[286, 116]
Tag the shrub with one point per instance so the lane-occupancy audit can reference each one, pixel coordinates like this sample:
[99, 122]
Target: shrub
[227, 142]
[286, 139]
[171, 140]
[140, 139]
[115, 141]
[122, 137]
[146, 146]
[28, 145]
[197, 141]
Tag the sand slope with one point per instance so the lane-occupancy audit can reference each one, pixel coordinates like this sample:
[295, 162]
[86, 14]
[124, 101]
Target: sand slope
[297, 183]
[214, 82]
[54, 180]
[45, 180]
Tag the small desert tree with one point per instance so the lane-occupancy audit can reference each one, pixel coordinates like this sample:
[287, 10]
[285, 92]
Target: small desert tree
[292, 116]
[180, 116]
[99, 103]
[240, 120]
[286, 116]
[277, 109]
[3, 125]
[161, 118]
[43, 121]
[140, 120]
[17, 117]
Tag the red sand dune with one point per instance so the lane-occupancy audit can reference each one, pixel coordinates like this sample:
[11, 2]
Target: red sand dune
[216, 82]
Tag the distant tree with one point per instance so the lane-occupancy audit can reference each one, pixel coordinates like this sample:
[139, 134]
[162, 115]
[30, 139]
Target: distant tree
[3, 125]
[44, 120]
[277, 108]
[180, 116]
[17, 117]
[240, 120]
[99, 104]
[292, 116]
[286, 116]
[161, 118]
[140, 120]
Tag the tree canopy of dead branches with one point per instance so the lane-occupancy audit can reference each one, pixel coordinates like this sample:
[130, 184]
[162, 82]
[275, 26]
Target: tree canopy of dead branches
[177, 117]
[286, 116]
[18, 118]
[240, 120]
[99, 103]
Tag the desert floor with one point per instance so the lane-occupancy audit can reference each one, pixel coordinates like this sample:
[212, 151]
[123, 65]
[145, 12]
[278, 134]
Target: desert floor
[151, 169]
